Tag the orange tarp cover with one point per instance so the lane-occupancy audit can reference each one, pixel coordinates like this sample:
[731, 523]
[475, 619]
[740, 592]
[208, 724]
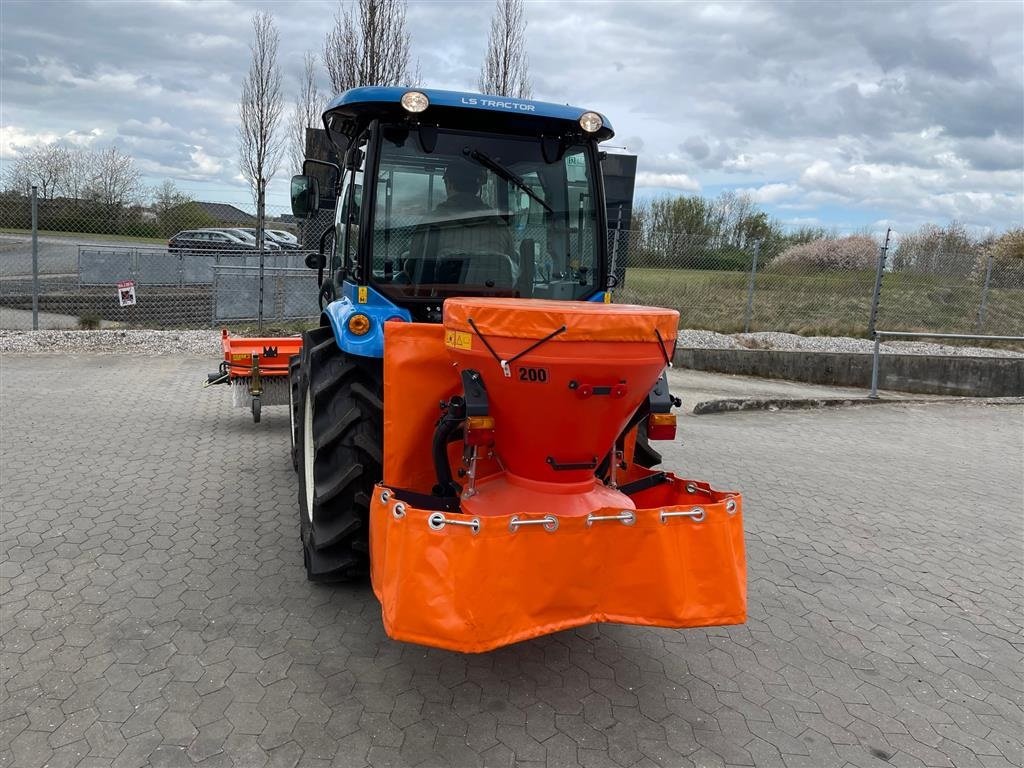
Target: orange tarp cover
[474, 591]
[469, 591]
[583, 320]
[418, 375]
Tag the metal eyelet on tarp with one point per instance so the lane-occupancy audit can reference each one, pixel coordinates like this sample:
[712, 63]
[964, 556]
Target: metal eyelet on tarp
[548, 522]
[385, 496]
[626, 517]
[730, 506]
[437, 521]
[696, 514]
[398, 511]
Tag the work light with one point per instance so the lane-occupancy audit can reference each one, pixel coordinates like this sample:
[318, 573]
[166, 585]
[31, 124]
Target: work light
[414, 101]
[591, 122]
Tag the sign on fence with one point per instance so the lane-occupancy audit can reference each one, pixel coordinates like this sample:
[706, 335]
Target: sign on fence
[126, 293]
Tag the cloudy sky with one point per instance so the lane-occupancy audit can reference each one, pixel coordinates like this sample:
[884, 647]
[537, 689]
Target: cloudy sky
[849, 115]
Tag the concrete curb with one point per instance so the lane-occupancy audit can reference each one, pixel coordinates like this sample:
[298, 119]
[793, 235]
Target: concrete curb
[919, 374]
[737, 404]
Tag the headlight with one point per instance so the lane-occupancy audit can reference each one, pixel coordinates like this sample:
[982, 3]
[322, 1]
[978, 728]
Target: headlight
[591, 122]
[414, 101]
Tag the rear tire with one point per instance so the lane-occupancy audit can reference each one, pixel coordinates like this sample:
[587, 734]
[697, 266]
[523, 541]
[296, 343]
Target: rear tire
[339, 445]
[293, 407]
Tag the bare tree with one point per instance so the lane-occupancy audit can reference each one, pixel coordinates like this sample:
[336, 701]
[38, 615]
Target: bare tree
[79, 168]
[115, 181]
[167, 197]
[260, 144]
[506, 70]
[306, 113]
[368, 45]
[17, 175]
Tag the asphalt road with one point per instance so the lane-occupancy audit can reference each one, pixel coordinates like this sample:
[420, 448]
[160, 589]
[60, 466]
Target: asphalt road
[57, 255]
[153, 609]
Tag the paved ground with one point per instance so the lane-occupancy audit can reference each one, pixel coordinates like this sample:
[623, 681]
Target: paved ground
[154, 611]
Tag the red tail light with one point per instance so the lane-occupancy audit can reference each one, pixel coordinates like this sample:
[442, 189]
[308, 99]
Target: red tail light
[479, 430]
[661, 426]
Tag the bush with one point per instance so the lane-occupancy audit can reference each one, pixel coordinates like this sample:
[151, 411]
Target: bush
[948, 251]
[729, 259]
[1007, 253]
[846, 253]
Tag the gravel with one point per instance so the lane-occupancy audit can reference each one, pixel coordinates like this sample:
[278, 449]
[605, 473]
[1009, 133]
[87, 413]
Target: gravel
[207, 343]
[201, 343]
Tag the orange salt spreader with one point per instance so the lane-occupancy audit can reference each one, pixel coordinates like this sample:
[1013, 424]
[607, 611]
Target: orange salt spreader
[516, 509]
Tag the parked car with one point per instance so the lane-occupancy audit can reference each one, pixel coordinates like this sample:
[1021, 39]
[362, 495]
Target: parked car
[286, 239]
[205, 240]
[269, 243]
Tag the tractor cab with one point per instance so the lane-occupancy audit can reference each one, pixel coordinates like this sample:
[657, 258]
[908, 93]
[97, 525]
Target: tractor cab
[446, 194]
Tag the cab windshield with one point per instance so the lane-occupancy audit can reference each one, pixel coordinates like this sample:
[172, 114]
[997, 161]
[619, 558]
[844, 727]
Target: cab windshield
[481, 214]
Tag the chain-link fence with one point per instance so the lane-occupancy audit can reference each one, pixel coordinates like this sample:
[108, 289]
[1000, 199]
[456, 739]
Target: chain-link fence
[194, 265]
[197, 265]
[824, 287]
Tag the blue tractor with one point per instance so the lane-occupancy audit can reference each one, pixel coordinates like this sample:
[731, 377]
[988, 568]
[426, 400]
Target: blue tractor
[439, 194]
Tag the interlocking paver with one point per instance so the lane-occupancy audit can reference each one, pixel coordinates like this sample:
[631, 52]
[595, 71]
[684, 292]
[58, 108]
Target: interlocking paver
[153, 609]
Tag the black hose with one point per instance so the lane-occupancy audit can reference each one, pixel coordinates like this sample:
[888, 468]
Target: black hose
[445, 428]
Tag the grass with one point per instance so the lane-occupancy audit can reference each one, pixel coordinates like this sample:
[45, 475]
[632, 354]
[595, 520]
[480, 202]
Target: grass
[833, 303]
[84, 235]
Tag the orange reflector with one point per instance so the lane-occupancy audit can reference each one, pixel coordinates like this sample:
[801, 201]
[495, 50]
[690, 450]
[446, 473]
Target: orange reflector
[661, 426]
[359, 324]
[479, 430]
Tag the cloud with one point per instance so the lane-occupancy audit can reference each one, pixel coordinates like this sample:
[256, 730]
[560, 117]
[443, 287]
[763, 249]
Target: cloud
[696, 147]
[832, 110]
[15, 140]
[676, 181]
[773, 193]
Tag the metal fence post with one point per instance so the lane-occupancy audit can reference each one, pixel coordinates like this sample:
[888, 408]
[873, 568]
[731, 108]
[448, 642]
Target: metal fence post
[750, 288]
[879, 272]
[260, 223]
[982, 305]
[873, 395]
[35, 258]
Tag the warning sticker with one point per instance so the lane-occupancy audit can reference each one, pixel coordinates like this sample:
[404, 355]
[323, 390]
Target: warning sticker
[126, 293]
[458, 340]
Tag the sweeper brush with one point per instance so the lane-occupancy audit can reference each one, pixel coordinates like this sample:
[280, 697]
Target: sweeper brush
[256, 370]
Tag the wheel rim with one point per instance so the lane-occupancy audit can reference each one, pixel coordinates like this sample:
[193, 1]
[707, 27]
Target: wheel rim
[307, 451]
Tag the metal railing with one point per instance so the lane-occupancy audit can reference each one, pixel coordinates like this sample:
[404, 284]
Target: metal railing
[876, 354]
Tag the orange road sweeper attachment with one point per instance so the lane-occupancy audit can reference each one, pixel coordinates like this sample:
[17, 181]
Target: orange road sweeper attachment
[516, 509]
[256, 368]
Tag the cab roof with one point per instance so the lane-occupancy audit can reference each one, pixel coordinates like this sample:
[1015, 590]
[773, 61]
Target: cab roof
[458, 107]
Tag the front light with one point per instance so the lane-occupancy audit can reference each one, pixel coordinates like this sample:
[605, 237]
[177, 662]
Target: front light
[591, 122]
[414, 101]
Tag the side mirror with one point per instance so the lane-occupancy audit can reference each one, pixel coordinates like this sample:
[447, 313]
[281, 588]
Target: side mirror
[305, 196]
